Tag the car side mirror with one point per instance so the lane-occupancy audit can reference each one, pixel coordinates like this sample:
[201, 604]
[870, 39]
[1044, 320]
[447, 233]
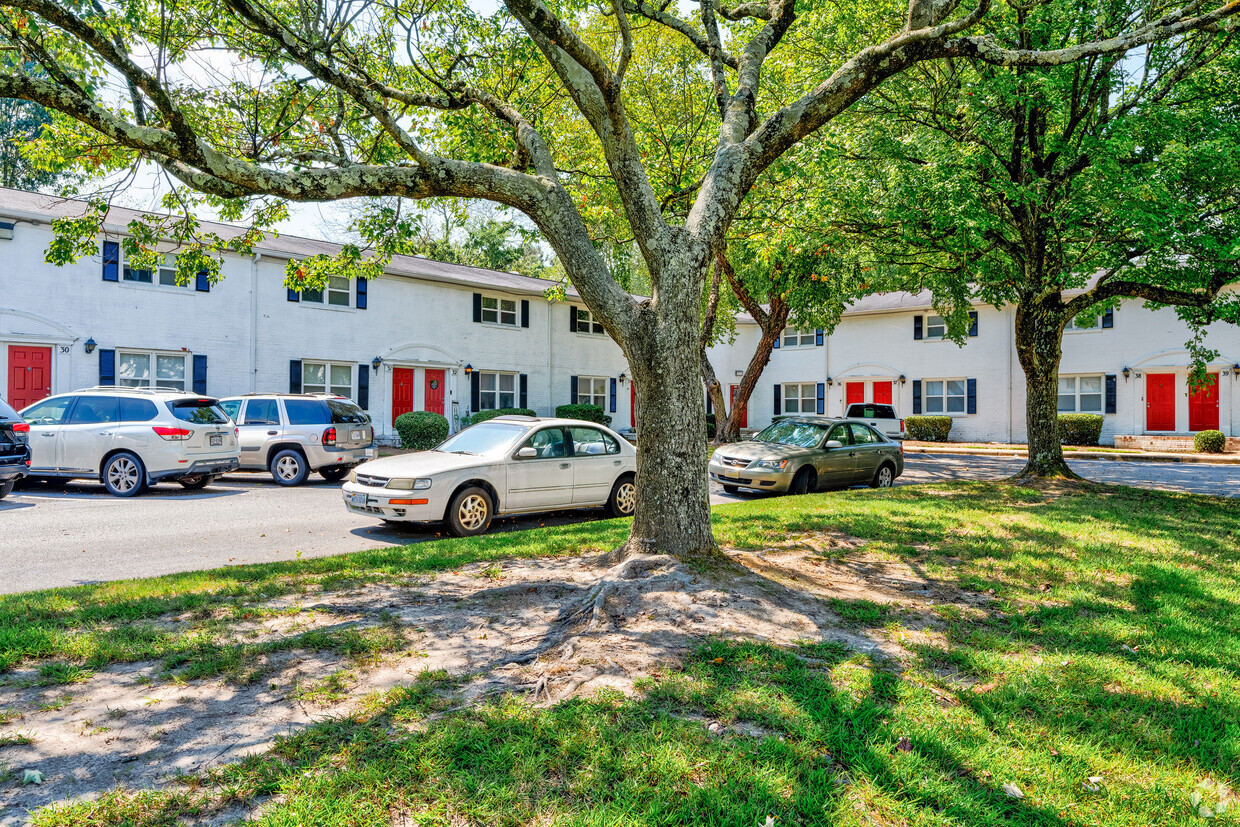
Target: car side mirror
[832, 443]
[527, 453]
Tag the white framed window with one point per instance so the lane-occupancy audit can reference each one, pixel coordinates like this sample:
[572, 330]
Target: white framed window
[936, 327]
[592, 390]
[585, 322]
[499, 311]
[799, 337]
[497, 390]
[148, 369]
[337, 293]
[801, 397]
[944, 396]
[327, 377]
[1080, 394]
[1088, 323]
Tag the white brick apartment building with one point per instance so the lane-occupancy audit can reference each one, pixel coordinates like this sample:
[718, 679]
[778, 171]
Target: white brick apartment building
[434, 336]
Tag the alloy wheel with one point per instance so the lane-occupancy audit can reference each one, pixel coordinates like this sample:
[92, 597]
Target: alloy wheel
[626, 497]
[472, 512]
[123, 474]
[288, 468]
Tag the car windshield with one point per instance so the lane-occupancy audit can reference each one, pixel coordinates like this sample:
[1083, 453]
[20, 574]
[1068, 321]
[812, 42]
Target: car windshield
[199, 411]
[344, 411]
[483, 438]
[800, 434]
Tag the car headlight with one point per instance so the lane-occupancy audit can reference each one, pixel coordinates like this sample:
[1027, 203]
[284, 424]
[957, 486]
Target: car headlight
[352, 475]
[408, 484]
[771, 464]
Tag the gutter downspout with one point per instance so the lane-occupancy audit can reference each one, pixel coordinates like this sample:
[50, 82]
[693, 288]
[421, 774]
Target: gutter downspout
[550, 358]
[254, 322]
[1011, 349]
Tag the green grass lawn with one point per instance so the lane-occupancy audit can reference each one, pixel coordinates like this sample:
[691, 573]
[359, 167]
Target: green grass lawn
[1110, 651]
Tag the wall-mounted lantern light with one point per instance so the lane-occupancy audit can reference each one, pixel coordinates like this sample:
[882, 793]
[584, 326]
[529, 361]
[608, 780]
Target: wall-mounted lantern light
[1235, 369]
[903, 378]
[375, 362]
[622, 377]
[1126, 371]
[830, 381]
[90, 345]
[469, 369]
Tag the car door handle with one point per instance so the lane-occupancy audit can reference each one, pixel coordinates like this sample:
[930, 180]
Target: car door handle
[272, 433]
[47, 433]
[105, 433]
[617, 462]
[566, 465]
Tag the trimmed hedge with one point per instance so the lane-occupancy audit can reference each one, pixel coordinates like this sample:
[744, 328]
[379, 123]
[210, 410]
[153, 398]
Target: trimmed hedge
[421, 430]
[590, 413]
[483, 416]
[927, 428]
[1080, 429]
[1209, 442]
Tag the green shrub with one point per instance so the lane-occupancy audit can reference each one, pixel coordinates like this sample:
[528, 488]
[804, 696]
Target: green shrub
[421, 430]
[1080, 429]
[927, 428]
[590, 413]
[483, 416]
[1209, 442]
[711, 427]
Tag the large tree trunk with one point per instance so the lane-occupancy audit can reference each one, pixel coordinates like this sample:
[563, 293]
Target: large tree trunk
[1039, 345]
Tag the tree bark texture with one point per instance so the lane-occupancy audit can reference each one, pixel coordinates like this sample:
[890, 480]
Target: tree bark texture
[1039, 345]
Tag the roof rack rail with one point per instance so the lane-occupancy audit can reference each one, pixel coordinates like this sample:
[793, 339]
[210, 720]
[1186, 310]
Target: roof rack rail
[130, 389]
[516, 418]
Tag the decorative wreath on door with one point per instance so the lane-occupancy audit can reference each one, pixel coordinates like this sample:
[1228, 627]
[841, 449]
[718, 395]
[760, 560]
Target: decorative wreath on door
[434, 384]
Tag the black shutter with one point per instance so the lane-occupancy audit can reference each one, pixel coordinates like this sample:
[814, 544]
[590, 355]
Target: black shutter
[572, 390]
[779, 403]
[523, 390]
[107, 367]
[1110, 387]
[818, 341]
[916, 396]
[200, 373]
[363, 386]
[572, 319]
[917, 327]
[111, 261]
[971, 390]
[294, 376]
[475, 391]
[613, 394]
[293, 295]
[362, 291]
[822, 397]
[972, 322]
[203, 283]
[710, 406]
[1108, 317]
[525, 313]
[477, 307]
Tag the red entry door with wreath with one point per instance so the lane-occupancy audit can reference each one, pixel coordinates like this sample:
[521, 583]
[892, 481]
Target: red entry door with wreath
[434, 392]
[1203, 406]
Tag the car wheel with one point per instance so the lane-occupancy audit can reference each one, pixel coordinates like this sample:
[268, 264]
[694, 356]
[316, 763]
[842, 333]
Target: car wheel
[288, 467]
[335, 473]
[6, 488]
[884, 477]
[469, 514]
[731, 489]
[196, 482]
[805, 481]
[623, 499]
[123, 475]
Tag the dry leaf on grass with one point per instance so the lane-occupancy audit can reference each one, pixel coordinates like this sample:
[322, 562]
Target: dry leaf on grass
[1012, 790]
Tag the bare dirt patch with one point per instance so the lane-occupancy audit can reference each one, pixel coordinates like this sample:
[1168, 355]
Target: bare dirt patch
[550, 628]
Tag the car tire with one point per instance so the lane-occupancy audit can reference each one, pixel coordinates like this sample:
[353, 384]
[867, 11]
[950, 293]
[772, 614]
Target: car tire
[884, 477]
[6, 488]
[335, 473]
[124, 475]
[623, 498]
[288, 467]
[469, 513]
[805, 481]
[198, 482]
[731, 489]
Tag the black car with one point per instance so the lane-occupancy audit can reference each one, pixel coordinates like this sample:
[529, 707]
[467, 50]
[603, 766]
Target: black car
[14, 448]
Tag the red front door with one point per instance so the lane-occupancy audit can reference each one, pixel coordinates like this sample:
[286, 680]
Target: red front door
[854, 392]
[1203, 406]
[402, 391]
[1160, 401]
[732, 405]
[434, 392]
[882, 393]
[30, 375]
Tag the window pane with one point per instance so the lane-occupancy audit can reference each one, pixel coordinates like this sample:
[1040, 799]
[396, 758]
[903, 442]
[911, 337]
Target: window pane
[792, 405]
[600, 387]
[306, 412]
[955, 387]
[506, 400]
[138, 410]
[342, 375]
[93, 410]
[1091, 384]
[313, 374]
[312, 296]
[508, 306]
[51, 412]
[507, 382]
[488, 382]
[934, 404]
[167, 276]
[337, 298]
[134, 370]
[1067, 403]
[169, 367]
[955, 404]
[1067, 385]
[489, 303]
[934, 389]
[1091, 403]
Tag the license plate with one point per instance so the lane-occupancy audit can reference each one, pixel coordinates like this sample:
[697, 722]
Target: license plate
[216, 439]
[357, 499]
[355, 436]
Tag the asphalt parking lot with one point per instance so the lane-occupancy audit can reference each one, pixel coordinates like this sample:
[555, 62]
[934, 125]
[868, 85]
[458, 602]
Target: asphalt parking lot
[78, 534]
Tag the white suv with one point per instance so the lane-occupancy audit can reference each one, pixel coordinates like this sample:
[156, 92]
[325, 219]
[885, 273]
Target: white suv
[129, 438]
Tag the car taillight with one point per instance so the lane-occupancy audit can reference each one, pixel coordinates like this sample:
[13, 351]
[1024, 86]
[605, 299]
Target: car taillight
[329, 436]
[901, 426]
[21, 427]
[172, 434]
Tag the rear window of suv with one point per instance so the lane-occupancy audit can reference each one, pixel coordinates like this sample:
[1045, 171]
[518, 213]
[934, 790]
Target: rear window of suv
[872, 412]
[306, 412]
[198, 411]
[6, 412]
[343, 410]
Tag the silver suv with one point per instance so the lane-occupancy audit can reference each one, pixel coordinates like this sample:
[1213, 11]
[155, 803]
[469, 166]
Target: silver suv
[129, 438]
[292, 434]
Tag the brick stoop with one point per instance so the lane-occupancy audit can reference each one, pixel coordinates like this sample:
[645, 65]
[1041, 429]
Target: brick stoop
[1169, 443]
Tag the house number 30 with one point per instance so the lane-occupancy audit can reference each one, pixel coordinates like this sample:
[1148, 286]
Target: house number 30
[64, 348]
